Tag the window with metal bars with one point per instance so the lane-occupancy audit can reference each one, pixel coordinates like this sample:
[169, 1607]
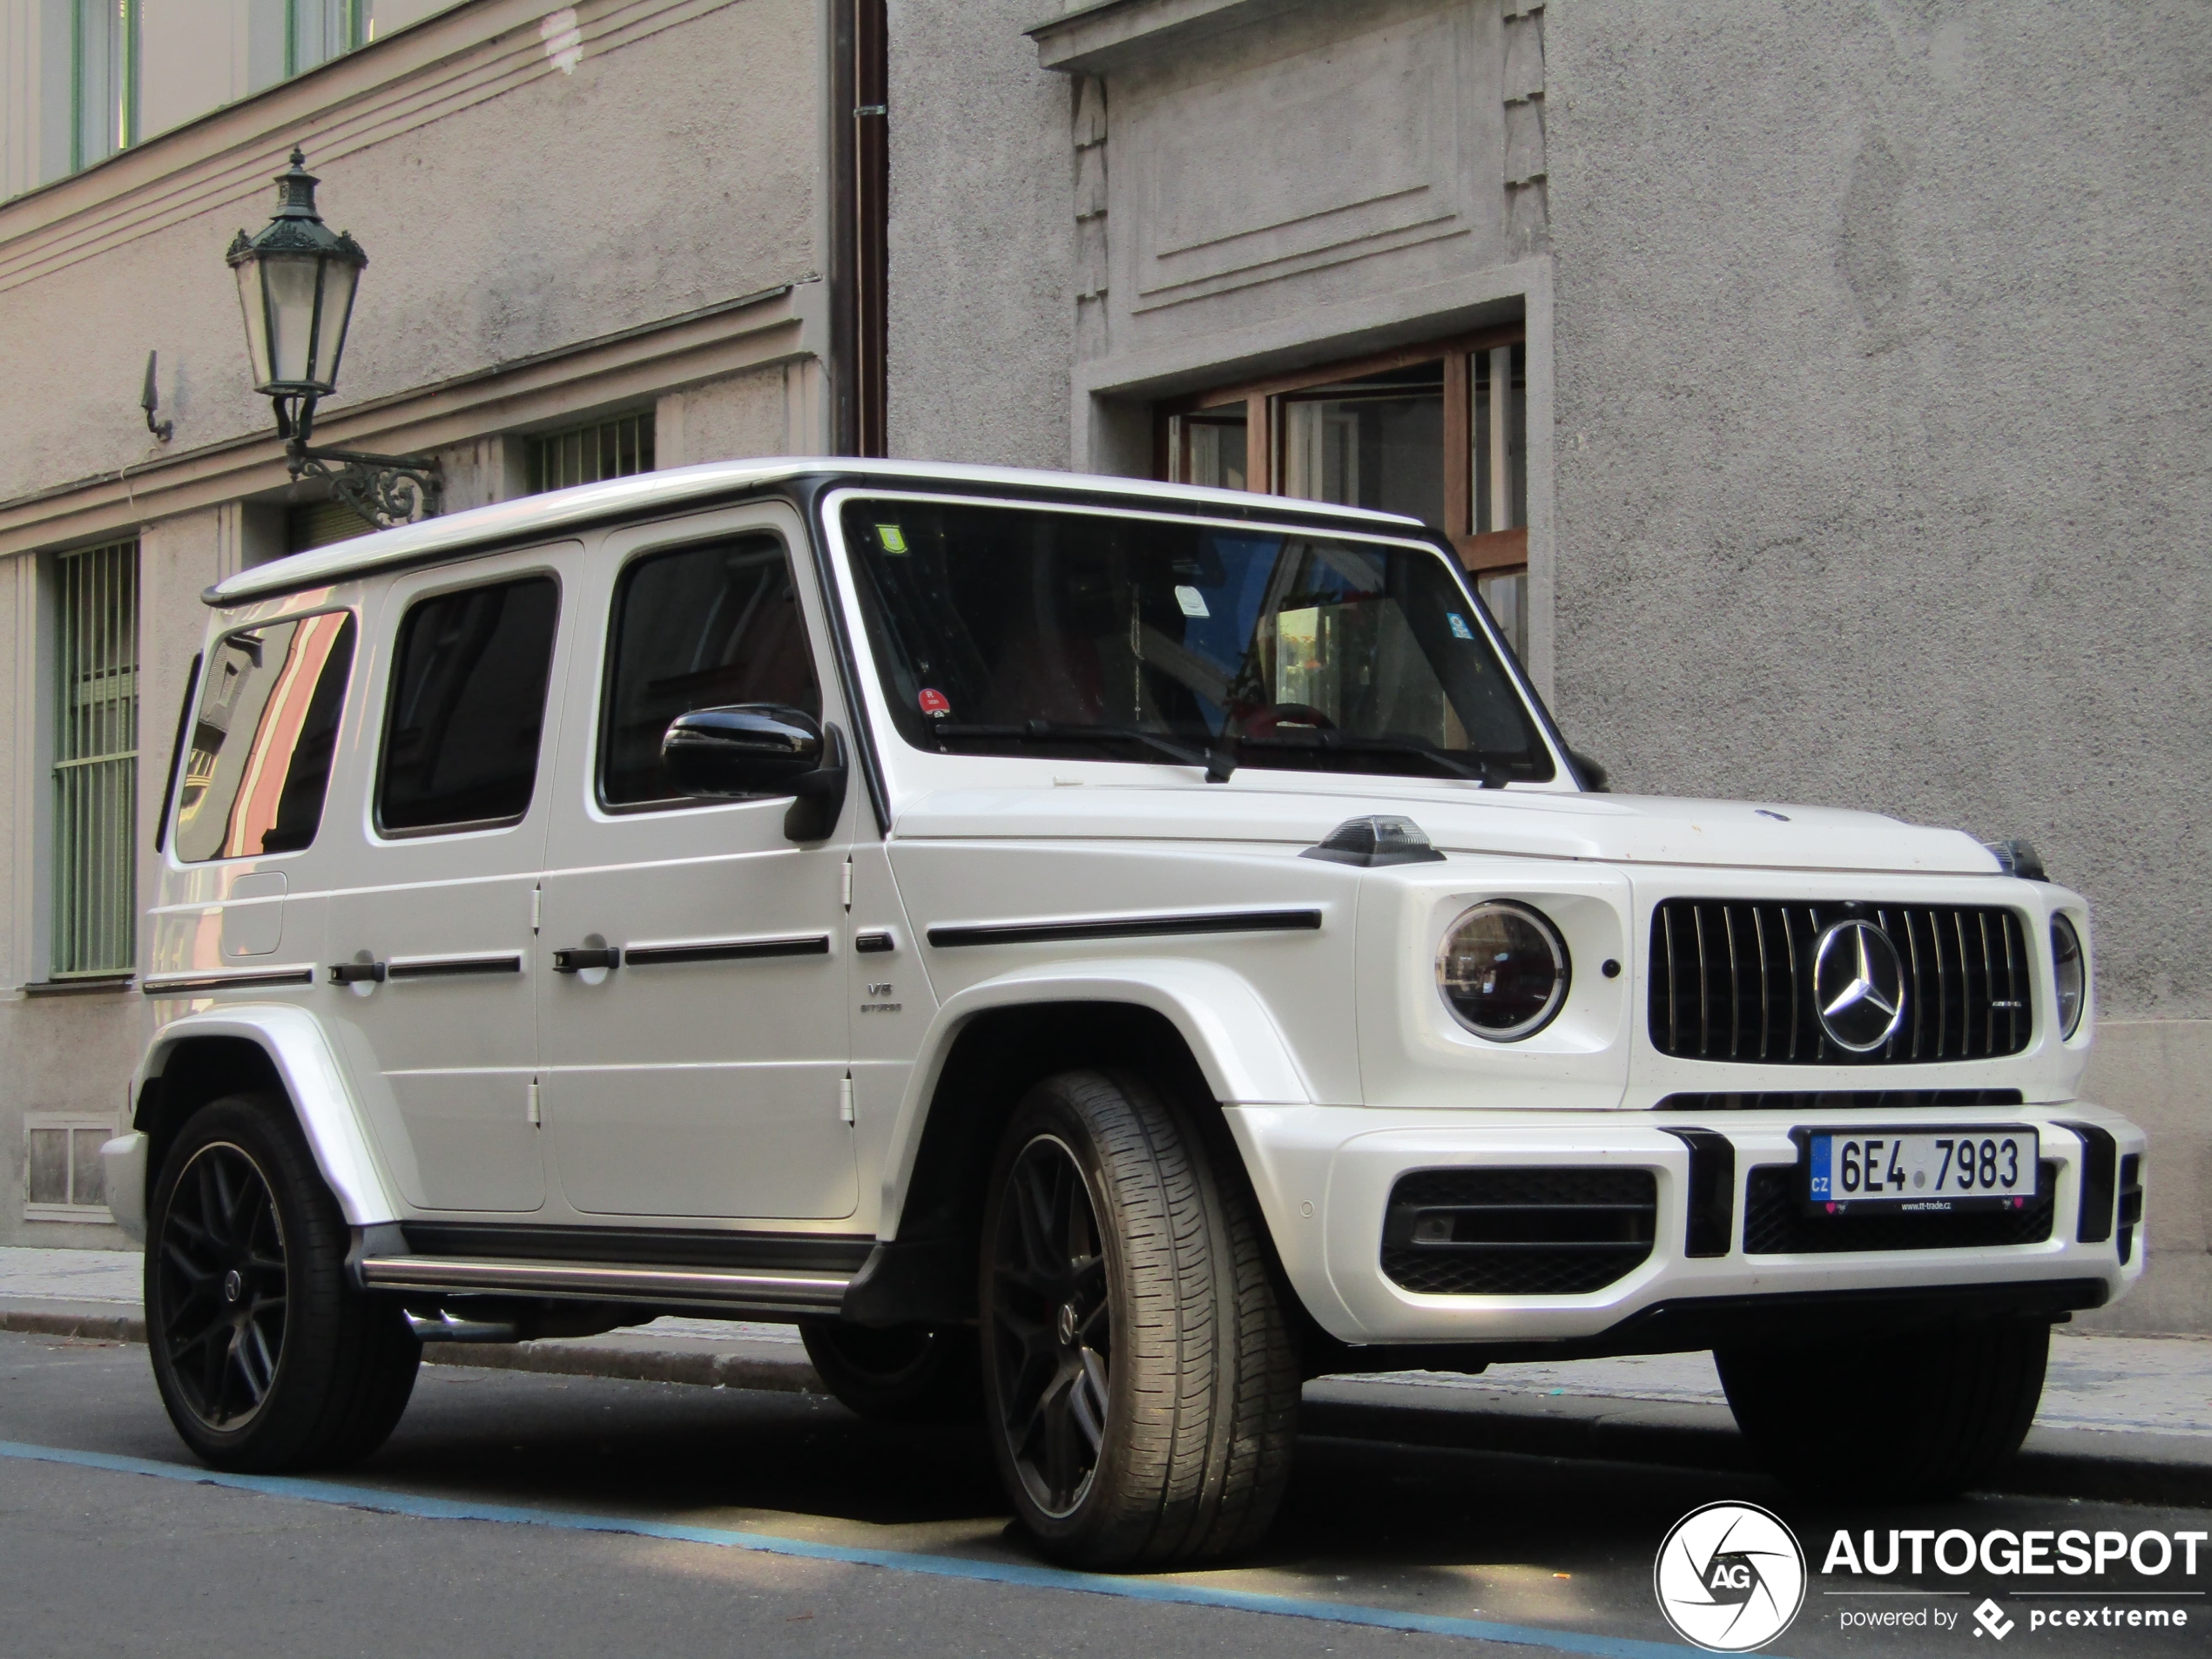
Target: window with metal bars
[584, 454]
[96, 760]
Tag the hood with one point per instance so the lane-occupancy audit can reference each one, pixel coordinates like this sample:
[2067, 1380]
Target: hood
[1619, 829]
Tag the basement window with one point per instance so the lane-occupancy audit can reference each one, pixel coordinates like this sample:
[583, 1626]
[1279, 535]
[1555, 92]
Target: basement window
[62, 1178]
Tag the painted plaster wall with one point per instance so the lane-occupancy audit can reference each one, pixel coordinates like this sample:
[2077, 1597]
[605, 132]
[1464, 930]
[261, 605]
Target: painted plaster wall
[560, 207]
[980, 319]
[1883, 404]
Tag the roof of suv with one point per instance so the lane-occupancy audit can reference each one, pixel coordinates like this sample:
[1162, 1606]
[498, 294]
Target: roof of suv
[432, 540]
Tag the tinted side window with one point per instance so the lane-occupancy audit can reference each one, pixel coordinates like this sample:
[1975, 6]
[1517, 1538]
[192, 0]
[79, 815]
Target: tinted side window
[262, 738]
[700, 628]
[468, 703]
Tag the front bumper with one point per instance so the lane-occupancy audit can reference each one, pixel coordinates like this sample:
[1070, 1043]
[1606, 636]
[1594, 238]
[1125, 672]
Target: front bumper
[1324, 1176]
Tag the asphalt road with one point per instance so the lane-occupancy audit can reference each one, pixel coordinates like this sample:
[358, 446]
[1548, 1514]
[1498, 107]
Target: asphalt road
[911, 1551]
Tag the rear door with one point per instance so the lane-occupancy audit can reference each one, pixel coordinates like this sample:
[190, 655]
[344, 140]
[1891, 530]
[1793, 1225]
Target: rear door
[436, 925]
[705, 1075]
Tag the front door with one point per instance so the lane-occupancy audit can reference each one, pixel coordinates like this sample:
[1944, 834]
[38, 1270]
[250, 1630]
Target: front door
[433, 927]
[704, 1075]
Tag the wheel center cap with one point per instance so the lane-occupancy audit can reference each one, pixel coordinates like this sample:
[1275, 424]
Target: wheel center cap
[1066, 1323]
[233, 1285]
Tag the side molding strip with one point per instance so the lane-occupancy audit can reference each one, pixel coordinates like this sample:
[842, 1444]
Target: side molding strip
[1040, 932]
[403, 967]
[697, 1287]
[194, 984]
[726, 950]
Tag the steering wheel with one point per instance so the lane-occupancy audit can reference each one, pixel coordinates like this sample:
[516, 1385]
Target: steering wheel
[1263, 723]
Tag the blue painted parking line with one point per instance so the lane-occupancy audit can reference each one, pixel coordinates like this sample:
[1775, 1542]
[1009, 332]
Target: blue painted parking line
[1047, 1578]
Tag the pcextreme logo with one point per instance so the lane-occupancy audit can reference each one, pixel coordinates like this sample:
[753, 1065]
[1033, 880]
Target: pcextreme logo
[1729, 1577]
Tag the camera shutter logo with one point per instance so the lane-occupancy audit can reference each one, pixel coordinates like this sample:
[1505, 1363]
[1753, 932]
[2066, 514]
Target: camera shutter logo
[1729, 1577]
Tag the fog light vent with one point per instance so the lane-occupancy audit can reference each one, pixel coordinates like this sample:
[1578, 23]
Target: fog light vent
[1548, 1232]
[2131, 1204]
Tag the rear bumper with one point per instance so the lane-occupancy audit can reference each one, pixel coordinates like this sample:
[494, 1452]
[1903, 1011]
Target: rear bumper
[1324, 1175]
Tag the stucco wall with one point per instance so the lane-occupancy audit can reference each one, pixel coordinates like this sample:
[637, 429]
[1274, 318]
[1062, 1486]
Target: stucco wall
[507, 207]
[982, 322]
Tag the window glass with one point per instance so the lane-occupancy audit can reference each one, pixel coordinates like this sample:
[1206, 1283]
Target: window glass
[467, 704]
[1022, 631]
[263, 735]
[699, 628]
[1376, 442]
[1209, 449]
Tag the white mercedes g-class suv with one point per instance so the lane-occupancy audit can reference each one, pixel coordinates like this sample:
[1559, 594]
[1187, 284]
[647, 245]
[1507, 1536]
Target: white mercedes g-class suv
[1092, 953]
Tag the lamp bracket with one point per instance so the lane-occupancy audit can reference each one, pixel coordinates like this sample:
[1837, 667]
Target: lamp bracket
[386, 490]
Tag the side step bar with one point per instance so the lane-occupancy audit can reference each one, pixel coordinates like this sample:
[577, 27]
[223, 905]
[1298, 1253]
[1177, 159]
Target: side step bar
[774, 1293]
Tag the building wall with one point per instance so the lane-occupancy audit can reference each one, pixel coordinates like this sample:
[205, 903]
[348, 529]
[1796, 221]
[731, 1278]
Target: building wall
[551, 236]
[981, 326]
[1883, 407]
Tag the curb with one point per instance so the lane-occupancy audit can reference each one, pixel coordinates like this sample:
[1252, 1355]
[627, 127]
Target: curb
[1585, 1430]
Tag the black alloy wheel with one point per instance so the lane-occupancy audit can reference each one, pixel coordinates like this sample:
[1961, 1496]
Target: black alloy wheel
[1140, 1377]
[223, 1295]
[1053, 1349]
[266, 1355]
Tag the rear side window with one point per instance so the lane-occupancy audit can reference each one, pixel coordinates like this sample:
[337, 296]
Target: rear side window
[262, 736]
[699, 628]
[467, 707]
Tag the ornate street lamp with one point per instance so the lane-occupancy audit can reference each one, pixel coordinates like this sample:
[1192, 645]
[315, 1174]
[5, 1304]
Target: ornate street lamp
[295, 286]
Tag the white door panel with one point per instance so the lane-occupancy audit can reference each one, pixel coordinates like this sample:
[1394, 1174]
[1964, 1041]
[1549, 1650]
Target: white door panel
[705, 1075]
[445, 911]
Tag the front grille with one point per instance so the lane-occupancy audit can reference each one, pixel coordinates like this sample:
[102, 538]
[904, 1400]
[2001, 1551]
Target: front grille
[1841, 1100]
[1774, 1225]
[1549, 1231]
[1732, 980]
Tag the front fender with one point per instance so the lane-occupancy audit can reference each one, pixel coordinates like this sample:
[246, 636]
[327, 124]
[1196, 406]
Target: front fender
[306, 1063]
[1231, 1031]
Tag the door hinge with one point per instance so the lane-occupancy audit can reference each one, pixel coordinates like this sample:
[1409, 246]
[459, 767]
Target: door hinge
[538, 907]
[844, 1100]
[536, 1118]
[848, 884]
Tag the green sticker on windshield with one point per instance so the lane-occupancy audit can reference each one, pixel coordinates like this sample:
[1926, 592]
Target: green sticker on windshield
[893, 539]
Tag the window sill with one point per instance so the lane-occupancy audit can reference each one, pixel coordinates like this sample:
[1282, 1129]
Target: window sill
[1493, 550]
[81, 1215]
[1093, 38]
[117, 985]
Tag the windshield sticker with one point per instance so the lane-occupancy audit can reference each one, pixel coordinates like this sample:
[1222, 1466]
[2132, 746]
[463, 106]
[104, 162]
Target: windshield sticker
[893, 538]
[934, 703]
[1192, 602]
[1460, 629]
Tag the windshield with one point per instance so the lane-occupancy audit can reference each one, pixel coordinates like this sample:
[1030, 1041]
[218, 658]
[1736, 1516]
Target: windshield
[1007, 630]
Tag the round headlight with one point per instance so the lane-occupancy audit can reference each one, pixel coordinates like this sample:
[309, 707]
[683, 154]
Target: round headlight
[2069, 975]
[1503, 970]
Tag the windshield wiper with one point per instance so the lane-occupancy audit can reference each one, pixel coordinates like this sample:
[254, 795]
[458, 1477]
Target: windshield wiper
[1334, 742]
[1054, 732]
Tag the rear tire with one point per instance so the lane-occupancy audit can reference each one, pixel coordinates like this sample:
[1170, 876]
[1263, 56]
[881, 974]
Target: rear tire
[1141, 1380]
[1918, 1417]
[912, 1373]
[266, 1357]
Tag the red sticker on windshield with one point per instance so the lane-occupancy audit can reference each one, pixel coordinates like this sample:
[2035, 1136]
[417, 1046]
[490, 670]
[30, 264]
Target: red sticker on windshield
[934, 703]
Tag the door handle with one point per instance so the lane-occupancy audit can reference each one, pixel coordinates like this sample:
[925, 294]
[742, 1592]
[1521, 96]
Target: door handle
[576, 958]
[357, 973]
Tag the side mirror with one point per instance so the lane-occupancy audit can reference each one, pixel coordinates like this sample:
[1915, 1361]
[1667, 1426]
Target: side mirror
[754, 749]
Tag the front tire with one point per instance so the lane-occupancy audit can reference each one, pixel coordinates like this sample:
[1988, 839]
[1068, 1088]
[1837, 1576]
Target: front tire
[1918, 1417]
[912, 1373]
[266, 1359]
[1141, 1380]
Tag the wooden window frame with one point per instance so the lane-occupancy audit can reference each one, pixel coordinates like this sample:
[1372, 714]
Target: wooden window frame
[1262, 398]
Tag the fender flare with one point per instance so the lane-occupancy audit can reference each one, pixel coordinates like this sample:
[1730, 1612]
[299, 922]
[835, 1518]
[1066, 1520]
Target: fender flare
[322, 1100]
[1231, 1031]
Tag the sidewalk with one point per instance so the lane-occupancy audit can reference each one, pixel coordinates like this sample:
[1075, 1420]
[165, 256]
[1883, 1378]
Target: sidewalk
[2126, 1418]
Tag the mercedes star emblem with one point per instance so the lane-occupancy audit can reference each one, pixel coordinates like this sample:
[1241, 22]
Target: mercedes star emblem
[1858, 985]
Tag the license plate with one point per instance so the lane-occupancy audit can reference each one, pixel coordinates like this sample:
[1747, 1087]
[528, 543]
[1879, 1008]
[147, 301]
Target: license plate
[1920, 1172]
